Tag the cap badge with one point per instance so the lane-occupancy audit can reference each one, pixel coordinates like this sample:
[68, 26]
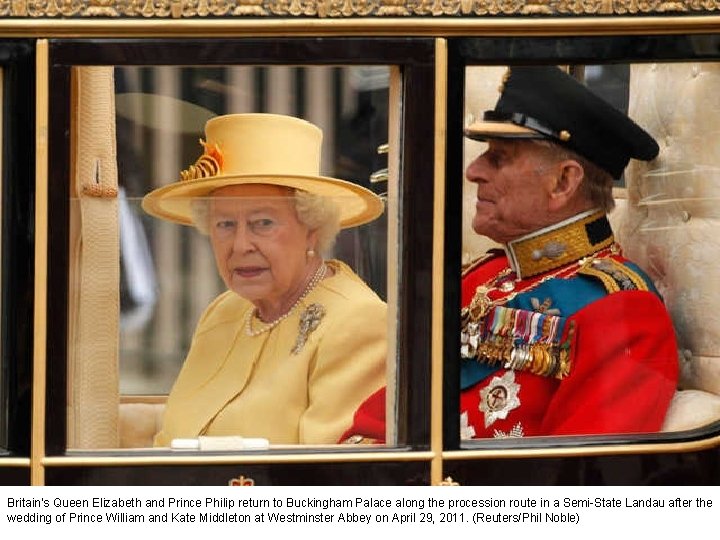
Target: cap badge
[209, 164]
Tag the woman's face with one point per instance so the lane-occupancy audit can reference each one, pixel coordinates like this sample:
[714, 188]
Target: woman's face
[260, 246]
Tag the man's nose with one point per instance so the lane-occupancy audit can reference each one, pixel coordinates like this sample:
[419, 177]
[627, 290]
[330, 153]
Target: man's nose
[474, 171]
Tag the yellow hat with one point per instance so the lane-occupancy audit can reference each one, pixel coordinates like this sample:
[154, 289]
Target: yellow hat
[260, 148]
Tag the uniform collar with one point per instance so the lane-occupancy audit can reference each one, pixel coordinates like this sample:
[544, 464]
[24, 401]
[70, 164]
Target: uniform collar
[559, 244]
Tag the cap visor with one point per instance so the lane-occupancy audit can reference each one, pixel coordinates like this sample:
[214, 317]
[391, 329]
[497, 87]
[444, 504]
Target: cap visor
[481, 131]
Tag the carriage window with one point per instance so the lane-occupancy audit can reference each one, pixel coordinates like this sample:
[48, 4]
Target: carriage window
[590, 320]
[230, 251]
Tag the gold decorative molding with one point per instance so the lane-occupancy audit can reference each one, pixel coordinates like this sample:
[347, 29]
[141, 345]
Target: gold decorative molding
[188, 9]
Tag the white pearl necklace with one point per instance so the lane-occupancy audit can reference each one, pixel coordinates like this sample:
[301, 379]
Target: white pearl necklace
[317, 278]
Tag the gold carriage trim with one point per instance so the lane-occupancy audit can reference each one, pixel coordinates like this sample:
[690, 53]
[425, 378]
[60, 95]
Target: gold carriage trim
[207, 165]
[614, 275]
[184, 9]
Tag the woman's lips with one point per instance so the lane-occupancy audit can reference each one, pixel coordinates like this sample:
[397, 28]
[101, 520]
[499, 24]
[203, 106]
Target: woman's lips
[249, 271]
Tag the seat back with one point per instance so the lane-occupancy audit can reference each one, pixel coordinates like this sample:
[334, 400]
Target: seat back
[669, 222]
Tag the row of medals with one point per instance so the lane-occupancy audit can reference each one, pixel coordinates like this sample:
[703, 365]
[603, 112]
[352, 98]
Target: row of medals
[545, 359]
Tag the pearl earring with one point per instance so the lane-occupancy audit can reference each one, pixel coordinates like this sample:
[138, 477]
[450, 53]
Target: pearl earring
[310, 253]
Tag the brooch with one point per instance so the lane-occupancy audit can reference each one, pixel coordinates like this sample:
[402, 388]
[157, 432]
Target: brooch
[309, 321]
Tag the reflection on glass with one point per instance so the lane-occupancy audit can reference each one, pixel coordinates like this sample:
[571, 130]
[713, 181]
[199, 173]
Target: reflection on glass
[565, 332]
[176, 281]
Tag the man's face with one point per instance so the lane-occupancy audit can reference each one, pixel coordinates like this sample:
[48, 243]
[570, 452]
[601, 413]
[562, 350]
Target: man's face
[513, 180]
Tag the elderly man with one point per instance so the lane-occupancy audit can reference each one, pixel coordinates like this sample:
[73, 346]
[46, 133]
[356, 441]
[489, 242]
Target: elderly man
[561, 335]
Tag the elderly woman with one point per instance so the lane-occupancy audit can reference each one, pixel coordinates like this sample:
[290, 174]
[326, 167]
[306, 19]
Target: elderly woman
[296, 343]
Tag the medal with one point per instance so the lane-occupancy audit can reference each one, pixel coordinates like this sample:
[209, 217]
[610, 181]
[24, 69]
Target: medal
[499, 397]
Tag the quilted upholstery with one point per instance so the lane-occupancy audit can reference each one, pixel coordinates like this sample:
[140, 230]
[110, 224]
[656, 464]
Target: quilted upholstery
[671, 220]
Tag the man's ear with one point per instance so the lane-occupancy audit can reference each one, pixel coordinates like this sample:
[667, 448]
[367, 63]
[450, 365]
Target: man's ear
[566, 185]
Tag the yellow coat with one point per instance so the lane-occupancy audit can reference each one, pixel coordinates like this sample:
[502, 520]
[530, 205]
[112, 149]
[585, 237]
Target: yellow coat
[252, 386]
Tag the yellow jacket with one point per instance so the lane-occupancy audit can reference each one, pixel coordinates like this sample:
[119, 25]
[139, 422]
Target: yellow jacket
[252, 386]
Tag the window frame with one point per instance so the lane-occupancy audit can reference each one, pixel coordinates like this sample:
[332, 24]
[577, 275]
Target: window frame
[416, 59]
[523, 50]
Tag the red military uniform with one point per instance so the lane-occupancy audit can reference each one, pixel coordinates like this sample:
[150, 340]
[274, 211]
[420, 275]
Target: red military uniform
[561, 335]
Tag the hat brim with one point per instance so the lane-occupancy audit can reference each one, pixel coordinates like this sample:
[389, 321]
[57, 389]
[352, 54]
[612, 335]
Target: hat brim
[482, 131]
[357, 204]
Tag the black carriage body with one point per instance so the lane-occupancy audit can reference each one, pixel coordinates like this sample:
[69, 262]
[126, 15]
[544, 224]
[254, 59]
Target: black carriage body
[430, 66]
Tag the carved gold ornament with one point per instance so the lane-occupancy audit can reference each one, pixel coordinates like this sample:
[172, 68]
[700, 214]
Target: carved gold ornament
[179, 9]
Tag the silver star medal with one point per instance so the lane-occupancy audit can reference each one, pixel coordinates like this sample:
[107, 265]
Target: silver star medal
[466, 430]
[309, 321]
[516, 432]
[499, 397]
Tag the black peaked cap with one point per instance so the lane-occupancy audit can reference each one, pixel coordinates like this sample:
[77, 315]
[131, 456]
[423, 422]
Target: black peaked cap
[545, 102]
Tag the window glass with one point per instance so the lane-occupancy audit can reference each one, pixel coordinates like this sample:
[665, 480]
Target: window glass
[168, 274]
[609, 338]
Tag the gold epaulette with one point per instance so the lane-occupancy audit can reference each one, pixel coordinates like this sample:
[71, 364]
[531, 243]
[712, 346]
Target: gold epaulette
[472, 265]
[614, 275]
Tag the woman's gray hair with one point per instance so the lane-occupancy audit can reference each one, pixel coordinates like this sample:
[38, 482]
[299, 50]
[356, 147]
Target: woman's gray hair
[318, 213]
